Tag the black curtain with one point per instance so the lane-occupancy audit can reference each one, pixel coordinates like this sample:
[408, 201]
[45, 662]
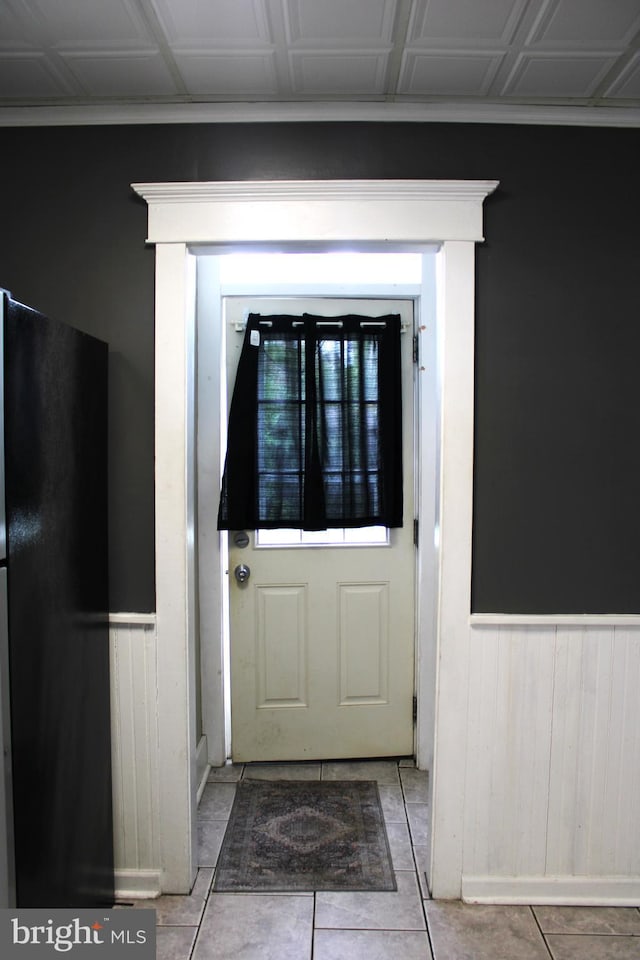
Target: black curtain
[315, 425]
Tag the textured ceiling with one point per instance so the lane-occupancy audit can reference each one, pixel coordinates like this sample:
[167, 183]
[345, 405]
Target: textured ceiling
[547, 54]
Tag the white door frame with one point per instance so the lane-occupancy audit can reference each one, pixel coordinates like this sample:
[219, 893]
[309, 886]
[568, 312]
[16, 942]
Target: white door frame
[294, 298]
[185, 215]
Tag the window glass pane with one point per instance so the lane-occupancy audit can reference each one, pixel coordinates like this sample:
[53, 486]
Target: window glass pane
[278, 538]
[367, 536]
[357, 536]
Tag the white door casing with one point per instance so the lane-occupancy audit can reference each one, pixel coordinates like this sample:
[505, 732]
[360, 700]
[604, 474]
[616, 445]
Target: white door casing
[327, 213]
[322, 637]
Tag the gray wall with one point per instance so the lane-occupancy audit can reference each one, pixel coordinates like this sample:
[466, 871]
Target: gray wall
[556, 522]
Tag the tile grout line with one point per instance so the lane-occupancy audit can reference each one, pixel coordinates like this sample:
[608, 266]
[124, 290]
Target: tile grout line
[313, 920]
[537, 923]
[417, 869]
[213, 876]
[202, 913]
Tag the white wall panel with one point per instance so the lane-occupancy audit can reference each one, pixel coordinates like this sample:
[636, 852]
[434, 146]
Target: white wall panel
[509, 741]
[625, 792]
[595, 753]
[134, 754]
[553, 764]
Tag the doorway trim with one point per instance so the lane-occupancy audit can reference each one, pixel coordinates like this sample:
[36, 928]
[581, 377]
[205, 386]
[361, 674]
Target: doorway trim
[183, 216]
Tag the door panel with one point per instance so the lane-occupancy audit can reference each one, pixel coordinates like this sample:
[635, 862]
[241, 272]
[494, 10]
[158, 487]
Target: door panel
[322, 636]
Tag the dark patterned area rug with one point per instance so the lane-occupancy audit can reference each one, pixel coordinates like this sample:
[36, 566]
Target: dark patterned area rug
[305, 835]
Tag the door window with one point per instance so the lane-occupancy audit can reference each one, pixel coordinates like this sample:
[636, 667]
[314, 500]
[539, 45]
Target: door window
[342, 537]
[315, 425]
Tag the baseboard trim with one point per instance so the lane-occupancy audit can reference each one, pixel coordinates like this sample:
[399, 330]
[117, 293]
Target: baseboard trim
[137, 884]
[563, 890]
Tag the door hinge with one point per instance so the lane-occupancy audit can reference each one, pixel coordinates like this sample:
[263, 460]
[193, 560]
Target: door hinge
[416, 347]
[415, 708]
[416, 531]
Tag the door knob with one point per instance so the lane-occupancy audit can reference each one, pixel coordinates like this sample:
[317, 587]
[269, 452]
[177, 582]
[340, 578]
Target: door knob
[242, 573]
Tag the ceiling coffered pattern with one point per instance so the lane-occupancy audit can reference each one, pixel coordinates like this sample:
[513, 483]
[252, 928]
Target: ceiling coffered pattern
[444, 54]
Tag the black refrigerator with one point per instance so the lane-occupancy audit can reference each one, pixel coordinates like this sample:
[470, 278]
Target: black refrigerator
[56, 843]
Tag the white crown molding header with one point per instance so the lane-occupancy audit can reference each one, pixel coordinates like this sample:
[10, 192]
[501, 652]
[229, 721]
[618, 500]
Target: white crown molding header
[101, 114]
[419, 211]
[244, 191]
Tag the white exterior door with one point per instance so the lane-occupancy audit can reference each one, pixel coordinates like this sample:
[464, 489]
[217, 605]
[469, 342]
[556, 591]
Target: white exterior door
[322, 633]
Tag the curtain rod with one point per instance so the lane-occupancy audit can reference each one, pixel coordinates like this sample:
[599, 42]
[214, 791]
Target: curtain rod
[241, 325]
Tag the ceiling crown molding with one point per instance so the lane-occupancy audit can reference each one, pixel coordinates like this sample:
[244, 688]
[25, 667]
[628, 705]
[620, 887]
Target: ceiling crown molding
[305, 112]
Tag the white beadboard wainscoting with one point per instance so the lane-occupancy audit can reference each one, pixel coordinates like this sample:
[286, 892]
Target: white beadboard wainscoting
[553, 761]
[134, 727]
[552, 772]
[134, 683]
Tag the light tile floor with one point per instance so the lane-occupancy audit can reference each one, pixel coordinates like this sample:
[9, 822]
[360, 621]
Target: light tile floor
[404, 925]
